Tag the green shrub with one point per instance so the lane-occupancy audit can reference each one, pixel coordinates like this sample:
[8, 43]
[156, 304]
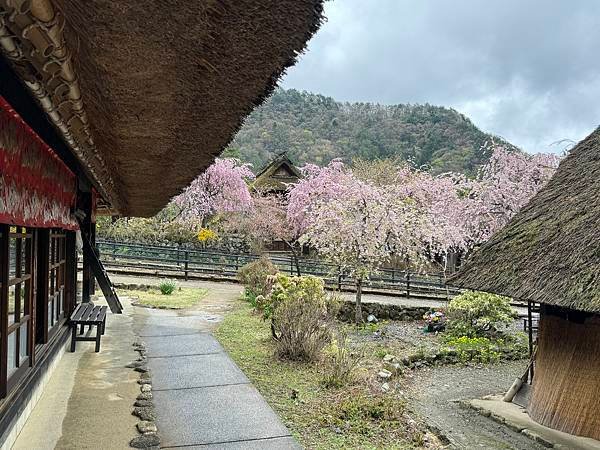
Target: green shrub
[255, 278]
[478, 314]
[477, 349]
[167, 287]
[301, 313]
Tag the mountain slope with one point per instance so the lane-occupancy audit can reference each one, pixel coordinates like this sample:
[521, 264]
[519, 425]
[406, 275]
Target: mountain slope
[315, 129]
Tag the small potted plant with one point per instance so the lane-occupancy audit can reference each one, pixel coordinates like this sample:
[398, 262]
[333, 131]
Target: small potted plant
[434, 321]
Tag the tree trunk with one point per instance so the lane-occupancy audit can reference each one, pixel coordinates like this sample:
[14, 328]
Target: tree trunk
[295, 257]
[273, 331]
[358, 307]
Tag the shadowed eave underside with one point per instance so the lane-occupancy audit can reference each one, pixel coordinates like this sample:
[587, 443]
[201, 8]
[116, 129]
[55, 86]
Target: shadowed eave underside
[166, 85]
[550, 252]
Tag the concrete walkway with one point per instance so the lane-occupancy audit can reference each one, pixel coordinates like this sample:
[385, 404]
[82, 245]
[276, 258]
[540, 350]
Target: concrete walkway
[88, 400]
[202, 399]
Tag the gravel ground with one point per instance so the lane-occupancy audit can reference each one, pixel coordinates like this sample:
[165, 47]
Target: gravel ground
[434, 395]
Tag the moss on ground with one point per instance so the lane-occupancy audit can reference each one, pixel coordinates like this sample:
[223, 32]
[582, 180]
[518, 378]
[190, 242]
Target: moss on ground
[359, 415]
[180, 298]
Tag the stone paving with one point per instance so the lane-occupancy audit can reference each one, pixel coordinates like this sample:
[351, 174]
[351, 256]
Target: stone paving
[202, 399]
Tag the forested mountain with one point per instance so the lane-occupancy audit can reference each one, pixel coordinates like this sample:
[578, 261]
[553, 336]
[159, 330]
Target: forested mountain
[314, 128]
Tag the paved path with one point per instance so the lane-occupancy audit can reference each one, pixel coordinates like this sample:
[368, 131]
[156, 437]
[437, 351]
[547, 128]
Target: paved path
[203, 400]
[229, 288]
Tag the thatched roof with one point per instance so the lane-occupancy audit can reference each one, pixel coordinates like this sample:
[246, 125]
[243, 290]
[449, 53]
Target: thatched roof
[164, 84]
[550, 252]
[277, 175]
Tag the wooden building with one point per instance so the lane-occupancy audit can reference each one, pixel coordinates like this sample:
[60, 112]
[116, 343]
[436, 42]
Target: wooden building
[274, 179]
[549, 254]
[276, 176]
[114, 107]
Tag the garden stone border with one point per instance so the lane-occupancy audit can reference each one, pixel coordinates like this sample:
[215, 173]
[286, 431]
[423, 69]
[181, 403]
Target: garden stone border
[382, 311]
[143, 408]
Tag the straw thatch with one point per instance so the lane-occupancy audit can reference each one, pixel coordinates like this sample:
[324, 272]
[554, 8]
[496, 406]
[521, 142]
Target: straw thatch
[164, 84]
[566, 382]
[277, 175]
[167, 83]
[550, 252]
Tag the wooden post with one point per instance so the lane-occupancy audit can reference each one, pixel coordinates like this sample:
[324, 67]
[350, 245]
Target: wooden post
[87, 232]
[4, 276]
[530, 335]
[41, 315]
[407, 283]
[186, 263]
[71, 273]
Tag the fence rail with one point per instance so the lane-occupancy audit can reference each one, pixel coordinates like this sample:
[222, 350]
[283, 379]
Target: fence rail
[176, 261]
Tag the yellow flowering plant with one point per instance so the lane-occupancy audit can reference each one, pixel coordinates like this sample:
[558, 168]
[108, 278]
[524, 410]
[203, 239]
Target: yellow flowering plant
[206, 234]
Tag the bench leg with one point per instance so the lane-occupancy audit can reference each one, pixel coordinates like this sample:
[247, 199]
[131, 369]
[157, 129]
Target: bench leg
[103, 326]
[98, 335]
[81, 329]
[73, 337]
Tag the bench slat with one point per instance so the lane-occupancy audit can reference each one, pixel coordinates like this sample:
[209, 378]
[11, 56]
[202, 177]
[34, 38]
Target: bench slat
[93, 313]
[102, 313]
[87, 313]
[80, 311]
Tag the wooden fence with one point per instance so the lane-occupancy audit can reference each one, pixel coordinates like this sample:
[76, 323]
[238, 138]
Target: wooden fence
[181, 262]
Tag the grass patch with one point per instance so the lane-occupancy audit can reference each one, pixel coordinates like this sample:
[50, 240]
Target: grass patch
[180, 298]
[359, 415]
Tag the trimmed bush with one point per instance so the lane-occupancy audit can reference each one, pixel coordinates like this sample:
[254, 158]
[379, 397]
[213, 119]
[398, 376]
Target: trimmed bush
[302, 314]
[478, 314]
[255, 278]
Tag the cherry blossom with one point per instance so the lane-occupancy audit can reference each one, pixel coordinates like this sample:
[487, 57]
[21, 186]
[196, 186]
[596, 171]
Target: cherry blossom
[222, 188]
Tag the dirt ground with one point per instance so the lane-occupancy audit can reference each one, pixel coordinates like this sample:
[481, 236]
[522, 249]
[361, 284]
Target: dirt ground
[435, 392]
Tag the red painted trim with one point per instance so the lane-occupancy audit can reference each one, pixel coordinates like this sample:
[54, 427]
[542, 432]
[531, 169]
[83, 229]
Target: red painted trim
[37, 189]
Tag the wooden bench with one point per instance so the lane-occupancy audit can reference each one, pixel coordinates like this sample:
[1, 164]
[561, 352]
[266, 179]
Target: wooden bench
[88, 314]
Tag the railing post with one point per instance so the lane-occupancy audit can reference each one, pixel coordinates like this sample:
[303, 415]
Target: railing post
[186, 263]
[291, 267]
[340, 278]
[407, 283]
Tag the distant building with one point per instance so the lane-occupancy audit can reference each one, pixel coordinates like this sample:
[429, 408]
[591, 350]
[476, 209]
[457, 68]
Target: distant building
[275, 177]
[549, 254]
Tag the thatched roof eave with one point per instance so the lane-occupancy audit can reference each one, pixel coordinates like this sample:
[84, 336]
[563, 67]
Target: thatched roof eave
[550, 252]
[151, 92]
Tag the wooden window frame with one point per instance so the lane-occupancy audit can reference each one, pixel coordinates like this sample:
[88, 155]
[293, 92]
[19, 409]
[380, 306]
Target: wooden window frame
[21, 281]
[33, 276]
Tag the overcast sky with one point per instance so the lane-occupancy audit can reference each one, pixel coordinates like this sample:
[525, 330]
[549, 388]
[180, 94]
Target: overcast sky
[527, 70]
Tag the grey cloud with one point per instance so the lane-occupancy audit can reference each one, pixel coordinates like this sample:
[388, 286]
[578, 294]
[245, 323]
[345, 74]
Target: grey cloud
[526, 70]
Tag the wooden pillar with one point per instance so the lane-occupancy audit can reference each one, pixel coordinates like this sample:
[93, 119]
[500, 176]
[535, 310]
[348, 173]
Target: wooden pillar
[88, 231]
[41, 299]
[4, 275]
[70, 273]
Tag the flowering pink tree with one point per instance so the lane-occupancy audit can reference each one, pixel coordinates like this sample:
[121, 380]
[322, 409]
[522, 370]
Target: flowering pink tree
[503, 186]
[221, 188]
[265, 221]
[440, 202]
[352, 223]
[319, 184]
